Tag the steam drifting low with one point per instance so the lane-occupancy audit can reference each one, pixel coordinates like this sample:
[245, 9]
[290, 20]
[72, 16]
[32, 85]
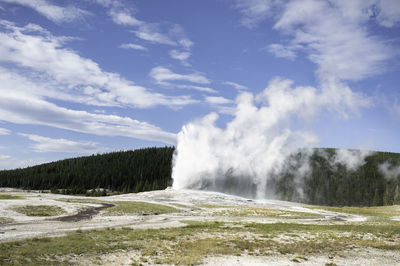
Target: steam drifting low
[254, 146]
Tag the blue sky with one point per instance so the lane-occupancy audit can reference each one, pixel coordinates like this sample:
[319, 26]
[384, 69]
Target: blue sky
[94, 76]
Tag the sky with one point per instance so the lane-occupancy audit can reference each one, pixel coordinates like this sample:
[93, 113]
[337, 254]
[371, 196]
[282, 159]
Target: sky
[93, 76]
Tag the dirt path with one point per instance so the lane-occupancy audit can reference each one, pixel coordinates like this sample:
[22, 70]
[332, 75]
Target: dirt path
[84, 214]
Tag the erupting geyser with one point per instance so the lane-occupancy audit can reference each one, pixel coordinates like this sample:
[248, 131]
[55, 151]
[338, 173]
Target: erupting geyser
[240, 158]
[260, 141]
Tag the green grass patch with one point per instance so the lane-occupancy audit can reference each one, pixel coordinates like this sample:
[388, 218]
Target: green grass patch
[128, 207]
[245, 211]
[212, 206]
[381, 212]
[382, 230]
[299, 259]
[137, 207]
[9, 197]
[192, 243]
[40, 210]
[6, 220]
[80, 200]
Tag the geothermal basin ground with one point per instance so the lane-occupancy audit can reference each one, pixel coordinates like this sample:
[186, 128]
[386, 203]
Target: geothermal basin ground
[186, 227]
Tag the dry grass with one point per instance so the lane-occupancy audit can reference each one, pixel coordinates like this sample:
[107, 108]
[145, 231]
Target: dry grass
[191, 244]
[139, 208]
[376, 212]
[128, 207]
[40, 210]
[9, 197]
[80, 200]
[245, 211]
[5, 220]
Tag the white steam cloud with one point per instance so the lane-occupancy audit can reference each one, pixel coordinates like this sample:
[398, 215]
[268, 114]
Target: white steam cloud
[352, 159]
[255, 144]
[389, 171]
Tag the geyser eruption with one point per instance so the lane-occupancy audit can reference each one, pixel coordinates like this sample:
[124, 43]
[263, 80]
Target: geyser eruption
[240, 158]
[261, 143]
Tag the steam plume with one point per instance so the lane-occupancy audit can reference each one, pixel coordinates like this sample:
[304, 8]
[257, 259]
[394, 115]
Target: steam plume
[240, 158]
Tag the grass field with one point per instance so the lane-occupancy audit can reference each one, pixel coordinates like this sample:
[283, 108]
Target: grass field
[262, 212]
[128, 207]
[202, 230]
[192, 243]
[5, 220]
[381, 213]
[79, 200]
[9, 197]
[40, 210]
[137, 207]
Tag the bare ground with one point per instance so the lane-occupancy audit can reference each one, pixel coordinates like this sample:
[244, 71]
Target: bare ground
[193, 206]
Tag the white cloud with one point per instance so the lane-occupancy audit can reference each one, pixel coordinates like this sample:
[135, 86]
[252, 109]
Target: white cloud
[187, 87]
[217, 100]
[253, 11]
[333, 33]
[281, 51]
[39, 112]
[133, 46]
[385, 12]
[122, 15]
[389, 13]
[283, 98]
[180, 55]
[20, 103]
[186, 43]
[55, 13]
[236, 85]
[221, 104]
[4, 131]
[45, 144]
[63, 73]
[9, 162]
[124, 18]
[390, 102]
[107, 3]
[192, 87]
[156, 33]
[150, 33]
[348, 54]
[161, 74]
[4, 157]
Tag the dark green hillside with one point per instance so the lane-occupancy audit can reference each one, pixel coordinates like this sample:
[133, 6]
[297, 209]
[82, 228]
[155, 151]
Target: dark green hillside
[324, 183]
[125, 171]
[334, 184]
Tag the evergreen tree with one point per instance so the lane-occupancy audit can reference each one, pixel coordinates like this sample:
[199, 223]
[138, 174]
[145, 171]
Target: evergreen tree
[396, 197]
[127, 171]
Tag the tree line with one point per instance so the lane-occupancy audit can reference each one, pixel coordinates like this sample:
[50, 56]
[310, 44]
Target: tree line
[124, 171]
[324, 183]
